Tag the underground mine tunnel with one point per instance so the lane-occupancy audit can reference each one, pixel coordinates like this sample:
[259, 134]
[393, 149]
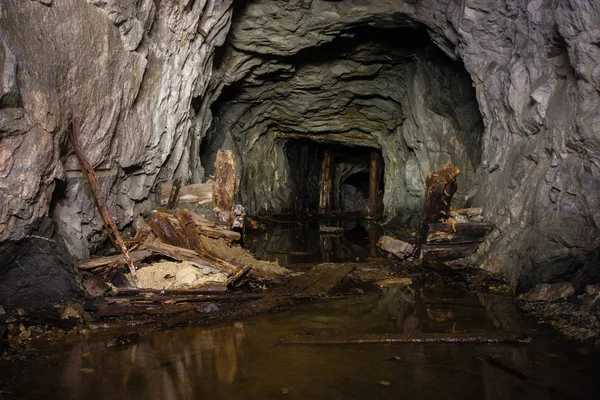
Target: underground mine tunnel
[301, 198]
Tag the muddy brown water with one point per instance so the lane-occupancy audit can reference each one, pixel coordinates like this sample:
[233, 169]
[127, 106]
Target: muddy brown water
[246, 359]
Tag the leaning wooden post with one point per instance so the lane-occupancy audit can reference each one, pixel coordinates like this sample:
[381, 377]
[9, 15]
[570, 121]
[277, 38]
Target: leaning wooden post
[224, 187]
[109, 225]
[326, 183]
[374, 177]
[440, 187]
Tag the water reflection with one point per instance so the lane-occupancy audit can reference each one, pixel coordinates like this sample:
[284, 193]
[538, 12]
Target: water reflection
[165, 365]
[302, 242]
[246, 360]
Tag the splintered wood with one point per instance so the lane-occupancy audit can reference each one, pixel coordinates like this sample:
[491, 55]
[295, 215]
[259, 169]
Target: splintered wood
[195, 193]
[90, 177]
[440, 187]
[326, 182]
[225, 187]
[442, 234]
[396, 247]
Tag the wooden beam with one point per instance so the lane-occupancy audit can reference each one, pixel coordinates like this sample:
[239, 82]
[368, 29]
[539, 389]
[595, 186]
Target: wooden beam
[114, 261]
[195, 193]
[460, 233]
[92, 180]
[225, 187]
[440, 187]
[330, 338]
[326, 182]
[374, 178]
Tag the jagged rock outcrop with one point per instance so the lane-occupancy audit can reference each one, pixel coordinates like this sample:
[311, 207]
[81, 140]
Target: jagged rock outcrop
[127, 73]
[535, 71]
[138, 77]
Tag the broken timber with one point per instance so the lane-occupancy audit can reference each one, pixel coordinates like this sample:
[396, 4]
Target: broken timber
[326, 182]
[174, 194]
[328, 338]
[452, 241]
[194, 193]
[396, 247]
[374, 178]
[109, 224]
[440, 187]
[460, 233]
[116, 260]
[224, 187]
[321, 280]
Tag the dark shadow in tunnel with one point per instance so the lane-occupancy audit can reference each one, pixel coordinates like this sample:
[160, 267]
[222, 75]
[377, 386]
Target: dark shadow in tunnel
[350, 176]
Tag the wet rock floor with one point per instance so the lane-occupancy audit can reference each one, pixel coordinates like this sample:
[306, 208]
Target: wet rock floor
[252, 358]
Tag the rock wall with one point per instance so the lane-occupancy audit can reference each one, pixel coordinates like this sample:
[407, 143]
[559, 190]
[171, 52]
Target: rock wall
[403, 97]
[127, 73]
[536, 77]
[138, 78]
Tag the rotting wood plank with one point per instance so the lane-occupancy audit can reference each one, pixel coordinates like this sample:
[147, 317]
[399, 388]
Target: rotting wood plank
[335, 338]
[116, 260]
[460, 233]
[194, 193]
[205, 291]
[321, 279]
[326, 182]
[189, 228]
[447, 252]
[205, 227]
[374, 178]
[167, 231]
[468, 212]
[115, 310]
[396, 247]
[109, 224]
[440, 187]
[224, 187]
[182, 254]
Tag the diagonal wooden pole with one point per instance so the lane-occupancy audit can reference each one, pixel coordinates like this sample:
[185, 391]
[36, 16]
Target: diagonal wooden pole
[109, 224]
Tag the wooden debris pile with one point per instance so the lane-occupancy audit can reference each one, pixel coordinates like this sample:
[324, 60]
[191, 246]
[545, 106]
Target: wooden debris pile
[206, 258]
[200, 248]
[443, 234]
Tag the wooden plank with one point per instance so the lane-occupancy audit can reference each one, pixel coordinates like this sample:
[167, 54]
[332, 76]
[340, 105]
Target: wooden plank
[473, 232]
[469, 212]
[321, 279]
[396, 247]
[225, 187]
[440, 187]
[92, 180]
[194, 193]
[116, 260]
[335, 338]
[167, 231]
[119, 310]
[182, 254]
[188, 226]
[204, 292]
[445, 252]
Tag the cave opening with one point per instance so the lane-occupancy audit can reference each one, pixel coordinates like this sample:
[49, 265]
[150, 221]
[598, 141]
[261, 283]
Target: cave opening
[334, 178]
[388, 88]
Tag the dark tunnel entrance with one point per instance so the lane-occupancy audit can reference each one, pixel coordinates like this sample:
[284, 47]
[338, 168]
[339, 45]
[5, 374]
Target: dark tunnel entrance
[333, 178]
[388, 89]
